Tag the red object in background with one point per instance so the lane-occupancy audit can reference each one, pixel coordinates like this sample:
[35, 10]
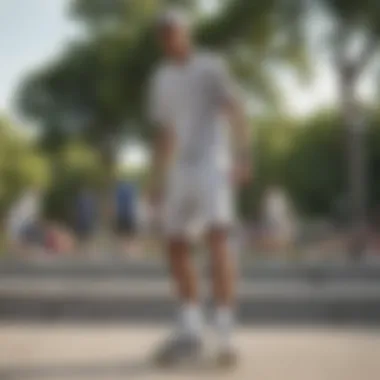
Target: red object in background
[52, 241]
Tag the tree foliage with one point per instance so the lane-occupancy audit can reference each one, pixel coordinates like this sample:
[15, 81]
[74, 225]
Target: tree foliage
[21, 165]
[308, 158]
[97, 88]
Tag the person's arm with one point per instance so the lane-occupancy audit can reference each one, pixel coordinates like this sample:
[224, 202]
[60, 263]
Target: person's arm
[227, 92]
[162, 150]
[242, 138]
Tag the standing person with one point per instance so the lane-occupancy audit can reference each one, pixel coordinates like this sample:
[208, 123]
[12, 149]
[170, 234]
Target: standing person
[24, 227]
[193, 101]
[126, 214]
[279, 220]
[85, 212]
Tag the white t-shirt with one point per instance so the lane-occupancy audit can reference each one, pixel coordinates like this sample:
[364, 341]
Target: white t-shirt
[190, 98]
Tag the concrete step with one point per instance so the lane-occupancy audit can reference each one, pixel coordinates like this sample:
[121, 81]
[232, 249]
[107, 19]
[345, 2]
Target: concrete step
[155, 268]
[151, 301]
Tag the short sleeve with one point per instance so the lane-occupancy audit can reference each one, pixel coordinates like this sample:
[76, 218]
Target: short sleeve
[157, 111]
[226, 89]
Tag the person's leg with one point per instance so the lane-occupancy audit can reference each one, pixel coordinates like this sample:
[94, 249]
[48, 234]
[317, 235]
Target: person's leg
[186, 342]
[129, 239]
[219, 214]
[83, 241]
[223, 267]
[182, 270]
[176, 228]
[186, 286]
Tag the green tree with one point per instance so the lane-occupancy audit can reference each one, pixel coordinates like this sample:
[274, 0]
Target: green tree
[314, 173]
[21, 165]
[97, 89]
[78, 166]
[273, 141]
[354, 43]
[308, 158]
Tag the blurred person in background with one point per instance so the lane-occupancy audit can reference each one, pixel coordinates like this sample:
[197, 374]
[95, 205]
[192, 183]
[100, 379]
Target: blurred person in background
[148, 227]
[58, 239]
[25, 232]
[85, 218]
[279, 219]
[193, 101]
[125, 213]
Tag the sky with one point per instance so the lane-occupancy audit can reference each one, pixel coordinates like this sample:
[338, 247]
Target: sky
[31, 31]
[34, 31]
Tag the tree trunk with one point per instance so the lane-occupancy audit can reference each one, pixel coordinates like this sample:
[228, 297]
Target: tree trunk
[357, 162]
[105, 237]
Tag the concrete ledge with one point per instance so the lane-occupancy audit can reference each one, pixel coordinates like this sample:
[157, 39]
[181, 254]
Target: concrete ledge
[324, 293]
[259, 303]
[153, 268]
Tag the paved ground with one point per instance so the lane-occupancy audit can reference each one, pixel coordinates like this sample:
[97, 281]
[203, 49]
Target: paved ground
[96, 352]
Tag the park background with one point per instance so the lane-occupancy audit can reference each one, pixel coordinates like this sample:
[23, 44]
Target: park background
[72, 115]
[73, 100]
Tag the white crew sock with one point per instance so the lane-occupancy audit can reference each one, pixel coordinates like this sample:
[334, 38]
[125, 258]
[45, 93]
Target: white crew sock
[224, 325]
[191, 320]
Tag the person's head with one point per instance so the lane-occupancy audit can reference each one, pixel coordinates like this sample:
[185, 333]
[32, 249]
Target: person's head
[174, 34]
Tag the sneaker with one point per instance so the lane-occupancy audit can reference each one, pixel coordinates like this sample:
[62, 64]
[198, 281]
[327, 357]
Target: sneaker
[227, 358]
[178, 349]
